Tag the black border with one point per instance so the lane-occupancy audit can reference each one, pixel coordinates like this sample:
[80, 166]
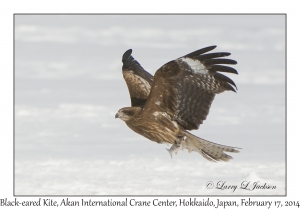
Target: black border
[192, 196]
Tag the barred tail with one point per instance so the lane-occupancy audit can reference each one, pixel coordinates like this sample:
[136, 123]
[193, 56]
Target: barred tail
[209, 150]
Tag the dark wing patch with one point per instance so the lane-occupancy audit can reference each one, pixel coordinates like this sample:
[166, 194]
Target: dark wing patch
[186, 87]
[137, 79]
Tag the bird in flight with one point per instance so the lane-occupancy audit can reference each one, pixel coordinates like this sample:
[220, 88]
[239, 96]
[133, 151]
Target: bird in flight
[177, 99]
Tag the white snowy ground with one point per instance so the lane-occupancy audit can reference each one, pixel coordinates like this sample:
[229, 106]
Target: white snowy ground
[140, 176]
[68, 87]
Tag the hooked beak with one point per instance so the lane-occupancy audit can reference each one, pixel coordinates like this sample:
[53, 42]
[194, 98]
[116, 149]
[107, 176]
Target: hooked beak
[117, 115]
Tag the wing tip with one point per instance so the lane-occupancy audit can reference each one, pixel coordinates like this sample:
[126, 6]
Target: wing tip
[213, 46]
[227, 82]
[200, 51]
[220, 68]
[126, 55]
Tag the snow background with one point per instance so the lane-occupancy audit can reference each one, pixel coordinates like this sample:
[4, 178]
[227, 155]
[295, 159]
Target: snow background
[69, 85]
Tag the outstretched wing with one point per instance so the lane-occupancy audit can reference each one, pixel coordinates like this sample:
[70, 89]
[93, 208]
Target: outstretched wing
[137, 79]
[186, 87]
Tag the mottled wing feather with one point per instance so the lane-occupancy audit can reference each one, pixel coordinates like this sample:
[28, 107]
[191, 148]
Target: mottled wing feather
[137, 79]
[186, 87]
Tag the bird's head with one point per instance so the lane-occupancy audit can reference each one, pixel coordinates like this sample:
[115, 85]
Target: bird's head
[127, 113]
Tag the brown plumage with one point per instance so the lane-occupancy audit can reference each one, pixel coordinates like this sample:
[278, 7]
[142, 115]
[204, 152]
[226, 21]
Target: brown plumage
[176, 99]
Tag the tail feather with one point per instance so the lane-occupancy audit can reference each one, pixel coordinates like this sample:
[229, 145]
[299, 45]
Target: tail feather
[209, 150]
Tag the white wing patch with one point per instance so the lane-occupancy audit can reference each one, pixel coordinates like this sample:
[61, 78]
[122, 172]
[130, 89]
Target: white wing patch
[155, 114]
[195, 65]
[164, 114]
